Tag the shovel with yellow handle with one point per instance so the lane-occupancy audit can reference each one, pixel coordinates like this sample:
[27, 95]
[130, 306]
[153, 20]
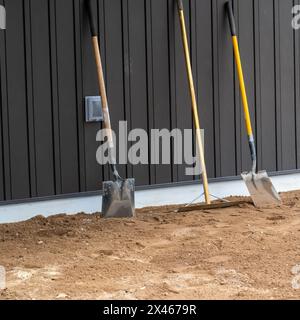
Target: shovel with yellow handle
[259, 184]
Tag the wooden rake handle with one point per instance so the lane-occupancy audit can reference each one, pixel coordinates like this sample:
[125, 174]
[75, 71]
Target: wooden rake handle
[194, 101]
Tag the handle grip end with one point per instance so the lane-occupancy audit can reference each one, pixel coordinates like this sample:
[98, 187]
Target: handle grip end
[180, 5]
[229, 10]
[93, 24]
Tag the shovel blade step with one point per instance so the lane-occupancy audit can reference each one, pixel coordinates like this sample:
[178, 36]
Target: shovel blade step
[261, 189]
[118, 199]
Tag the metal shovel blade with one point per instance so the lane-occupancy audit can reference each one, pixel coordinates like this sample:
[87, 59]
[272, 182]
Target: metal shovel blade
[118, 199]
[261, 189]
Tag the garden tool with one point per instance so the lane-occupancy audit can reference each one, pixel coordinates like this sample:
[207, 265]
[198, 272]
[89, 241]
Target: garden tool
[118, 195]
[259, 184]
[208, 205]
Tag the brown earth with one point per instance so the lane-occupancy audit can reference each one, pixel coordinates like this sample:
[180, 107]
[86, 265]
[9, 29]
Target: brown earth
[233, 253]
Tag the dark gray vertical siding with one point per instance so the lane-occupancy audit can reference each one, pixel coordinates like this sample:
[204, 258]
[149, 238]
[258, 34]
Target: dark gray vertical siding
[47, 68]
[204, 74]
[66, 96]
[224, 97]
[79, 95]
[159, 63]
[183, 115]
[42, 97]
[266, 95]
[2, 99]
[5, 159]
[1, 161]
[285, 81]
[297, 91]
[114, 64]
[93, 173]
[2, 191]
[18, 171]
[137, 76]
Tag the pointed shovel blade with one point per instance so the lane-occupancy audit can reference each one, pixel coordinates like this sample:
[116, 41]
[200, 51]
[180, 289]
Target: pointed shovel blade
[261, 189]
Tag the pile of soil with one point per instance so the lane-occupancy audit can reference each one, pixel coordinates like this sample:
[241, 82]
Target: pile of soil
[236, 253]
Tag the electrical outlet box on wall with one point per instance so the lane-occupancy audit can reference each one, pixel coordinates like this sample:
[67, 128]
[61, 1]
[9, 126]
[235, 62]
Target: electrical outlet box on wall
[93, 109]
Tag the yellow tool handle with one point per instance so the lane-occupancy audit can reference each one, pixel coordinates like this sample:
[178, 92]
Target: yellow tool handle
[242, 85]
[194, 102]
[237, 56]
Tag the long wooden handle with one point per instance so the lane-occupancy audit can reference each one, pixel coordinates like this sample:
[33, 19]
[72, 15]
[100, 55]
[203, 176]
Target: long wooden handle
[194, 103]
[101, 81]
[102, 89]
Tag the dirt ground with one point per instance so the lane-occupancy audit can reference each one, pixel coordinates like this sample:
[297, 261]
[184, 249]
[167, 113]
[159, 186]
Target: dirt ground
[233, 253]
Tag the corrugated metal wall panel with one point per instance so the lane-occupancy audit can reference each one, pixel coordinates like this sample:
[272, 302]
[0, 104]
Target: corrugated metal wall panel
[47, 69]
